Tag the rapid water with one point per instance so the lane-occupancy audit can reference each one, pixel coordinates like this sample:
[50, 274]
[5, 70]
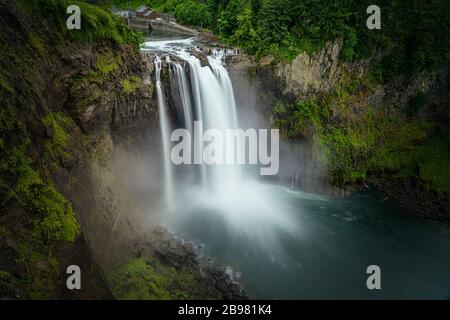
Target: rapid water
[276, 242]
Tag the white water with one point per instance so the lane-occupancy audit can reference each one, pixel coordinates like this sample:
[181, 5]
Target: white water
[237, 199]
[165, 135]
[177, 75]
[216, 113]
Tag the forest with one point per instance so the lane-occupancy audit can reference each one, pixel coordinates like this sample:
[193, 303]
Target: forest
[284, 28]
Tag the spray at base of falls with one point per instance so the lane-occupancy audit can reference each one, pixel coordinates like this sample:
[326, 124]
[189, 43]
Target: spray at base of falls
[232, 193]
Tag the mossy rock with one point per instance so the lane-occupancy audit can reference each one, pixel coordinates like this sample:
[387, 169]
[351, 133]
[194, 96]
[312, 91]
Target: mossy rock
[149, 279]
[131, 84]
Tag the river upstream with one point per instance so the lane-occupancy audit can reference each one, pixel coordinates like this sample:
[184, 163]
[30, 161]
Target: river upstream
[278, 243]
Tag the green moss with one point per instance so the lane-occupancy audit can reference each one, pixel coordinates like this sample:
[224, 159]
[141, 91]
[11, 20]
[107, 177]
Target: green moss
[99, 23]
[39, 46]
[131, 84]
[96, 22]
[148, 279]
[49, 219]
[434, 163]
[354, 146]
[34, 214]
[56, 220]
[59, 127]
[52, 216]
[107, 63]
[371, 143]
[301, 119]
[39, 267]
[377, 143]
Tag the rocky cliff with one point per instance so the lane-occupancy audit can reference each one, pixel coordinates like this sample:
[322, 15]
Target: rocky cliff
[65, 106]
[353, 127]
[79, 140]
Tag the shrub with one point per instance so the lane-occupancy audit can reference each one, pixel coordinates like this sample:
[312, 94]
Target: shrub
[192, 13]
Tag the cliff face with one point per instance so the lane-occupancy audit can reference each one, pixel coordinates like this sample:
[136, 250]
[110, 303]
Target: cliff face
[67, 107]
[308, 75]
[79, 173]
[319, 74]
[351, 127]
[116, 117]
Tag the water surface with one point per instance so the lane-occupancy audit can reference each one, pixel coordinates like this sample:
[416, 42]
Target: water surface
[327, 256]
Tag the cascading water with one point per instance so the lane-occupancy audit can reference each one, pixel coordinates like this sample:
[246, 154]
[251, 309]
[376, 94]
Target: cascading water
[177, 75]
[165, 134]
[215, 61]
[226, 191]
[217, 113]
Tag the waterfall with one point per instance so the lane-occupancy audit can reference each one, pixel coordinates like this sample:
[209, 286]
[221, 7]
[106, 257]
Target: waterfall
[165, 134]
[215, 61]
[203, 93]
[178, 76]
[212, 103]
[215, 106]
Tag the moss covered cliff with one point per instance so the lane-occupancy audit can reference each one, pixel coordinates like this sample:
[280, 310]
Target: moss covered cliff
[49, 77]
[76, 108]
[366, 127]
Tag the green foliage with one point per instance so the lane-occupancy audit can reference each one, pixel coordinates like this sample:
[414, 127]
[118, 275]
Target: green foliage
[34, 214]
[412, 32]
[49, 219]
[371, 143]
[376, 143]
[245, 35]
[59, 127]
[48, 216]
[189, 12]
[96, 21]
[350, 41]
[192, 13]
[130, 85]
[52, 216]
[148, 279]
[434, 163]
[302, 119]
[107, 63]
